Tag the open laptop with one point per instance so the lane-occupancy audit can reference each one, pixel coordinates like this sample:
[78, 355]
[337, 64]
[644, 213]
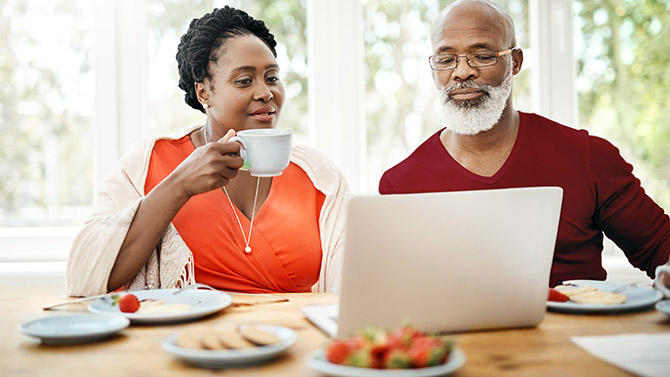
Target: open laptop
[445, 262]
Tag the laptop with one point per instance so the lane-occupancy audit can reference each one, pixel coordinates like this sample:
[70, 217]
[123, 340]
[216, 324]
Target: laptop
[445, 262]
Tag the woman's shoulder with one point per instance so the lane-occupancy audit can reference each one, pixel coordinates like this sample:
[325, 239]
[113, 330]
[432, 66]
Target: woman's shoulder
[309, 156]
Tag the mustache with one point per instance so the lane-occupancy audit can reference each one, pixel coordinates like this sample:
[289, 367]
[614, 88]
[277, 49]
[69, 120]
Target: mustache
[467, 85]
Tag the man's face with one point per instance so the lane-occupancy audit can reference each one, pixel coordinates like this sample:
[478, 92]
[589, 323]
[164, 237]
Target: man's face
[471, 94]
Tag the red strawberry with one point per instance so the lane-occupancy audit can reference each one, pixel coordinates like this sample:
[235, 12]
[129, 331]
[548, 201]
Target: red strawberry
[360, 358]
[375, 340]
[427, 351]
[397, 359]
[403, 337]
[129, 303]
[556, 295]
[338, 351]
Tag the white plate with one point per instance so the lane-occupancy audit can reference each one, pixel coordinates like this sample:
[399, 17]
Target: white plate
[636, 299]
[74, 328]
[321, 364]
[215, 359]
[663, 306]
[202, 303]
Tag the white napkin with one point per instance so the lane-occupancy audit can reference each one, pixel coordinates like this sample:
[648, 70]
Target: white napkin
[641, 354]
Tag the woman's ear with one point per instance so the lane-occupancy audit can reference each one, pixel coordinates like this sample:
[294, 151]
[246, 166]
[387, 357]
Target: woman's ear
[202, 93]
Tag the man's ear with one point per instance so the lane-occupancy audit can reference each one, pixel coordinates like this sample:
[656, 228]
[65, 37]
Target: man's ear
[201, 91]
[517, 61]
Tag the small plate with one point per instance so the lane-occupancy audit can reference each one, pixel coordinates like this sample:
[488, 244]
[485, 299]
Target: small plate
[215, 359]
[80, 328]
[321, 364]
[202, 303]
[636, 299]
[663, 306]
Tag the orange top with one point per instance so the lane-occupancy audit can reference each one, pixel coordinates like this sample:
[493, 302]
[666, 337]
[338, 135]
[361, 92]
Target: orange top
[285, 240]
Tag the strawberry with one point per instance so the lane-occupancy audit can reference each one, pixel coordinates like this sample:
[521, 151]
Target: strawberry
[397, 359]
[556, 295]
[360, 358]
[376, 342]
[129, 303]
[427, 351]
[402, 338]
[338, 351]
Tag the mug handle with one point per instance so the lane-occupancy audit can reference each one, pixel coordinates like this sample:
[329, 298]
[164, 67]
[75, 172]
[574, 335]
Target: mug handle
[657, 282]
[243, 151]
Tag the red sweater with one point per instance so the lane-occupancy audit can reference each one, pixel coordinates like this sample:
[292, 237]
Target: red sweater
[600, 193]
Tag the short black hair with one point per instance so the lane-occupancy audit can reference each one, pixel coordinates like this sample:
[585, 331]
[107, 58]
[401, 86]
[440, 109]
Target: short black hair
[205, 36]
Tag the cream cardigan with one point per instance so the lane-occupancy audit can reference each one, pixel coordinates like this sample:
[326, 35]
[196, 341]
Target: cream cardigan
[95, 248]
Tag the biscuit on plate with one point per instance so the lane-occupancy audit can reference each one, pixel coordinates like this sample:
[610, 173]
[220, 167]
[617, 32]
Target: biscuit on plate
[233, 339]
[210, 340]
[189, 339]
[598, 298]
[258, 336]
[570, 290]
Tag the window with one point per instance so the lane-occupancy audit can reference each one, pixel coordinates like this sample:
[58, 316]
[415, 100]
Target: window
[622, 83]
[46, 96]
[75, 74]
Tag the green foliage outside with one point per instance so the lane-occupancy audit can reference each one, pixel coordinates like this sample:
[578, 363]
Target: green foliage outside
[45, 118]
[624, 82]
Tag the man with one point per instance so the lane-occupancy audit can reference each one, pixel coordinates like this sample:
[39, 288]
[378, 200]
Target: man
[486, 144]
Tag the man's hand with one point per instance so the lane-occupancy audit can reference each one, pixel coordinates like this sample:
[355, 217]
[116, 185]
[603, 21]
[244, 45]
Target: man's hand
[662, 281]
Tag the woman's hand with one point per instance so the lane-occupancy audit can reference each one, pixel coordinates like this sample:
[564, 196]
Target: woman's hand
[209, 167]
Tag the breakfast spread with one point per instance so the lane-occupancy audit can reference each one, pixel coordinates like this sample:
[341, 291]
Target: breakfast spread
[226, 337]
[587, 295]
[401, 349]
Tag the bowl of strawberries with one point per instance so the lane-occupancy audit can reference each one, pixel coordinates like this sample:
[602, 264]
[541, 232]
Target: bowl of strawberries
[374, 351]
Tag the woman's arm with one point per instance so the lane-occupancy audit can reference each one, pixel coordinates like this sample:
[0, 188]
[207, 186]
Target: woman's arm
[154, 214]
[207, 168]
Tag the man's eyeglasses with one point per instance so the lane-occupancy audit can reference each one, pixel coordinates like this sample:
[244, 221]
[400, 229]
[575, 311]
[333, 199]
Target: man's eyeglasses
[478, 59]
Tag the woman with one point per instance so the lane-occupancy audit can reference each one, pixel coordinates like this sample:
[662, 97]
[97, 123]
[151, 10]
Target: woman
[176, 210]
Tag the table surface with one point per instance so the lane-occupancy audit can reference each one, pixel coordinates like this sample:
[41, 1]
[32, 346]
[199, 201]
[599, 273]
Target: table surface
[545, 350]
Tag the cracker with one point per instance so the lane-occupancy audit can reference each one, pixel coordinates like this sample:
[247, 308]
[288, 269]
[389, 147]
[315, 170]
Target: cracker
[209, 339]
[233, 340]
[189, 339]
[570, 291]
[258, 336]
[598, 298]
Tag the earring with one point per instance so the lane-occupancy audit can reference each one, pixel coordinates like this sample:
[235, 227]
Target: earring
[205, 106]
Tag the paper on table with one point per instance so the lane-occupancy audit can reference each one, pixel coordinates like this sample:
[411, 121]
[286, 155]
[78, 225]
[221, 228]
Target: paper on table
[641, 354]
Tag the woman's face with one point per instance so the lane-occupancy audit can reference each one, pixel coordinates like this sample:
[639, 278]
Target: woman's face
[244, 90]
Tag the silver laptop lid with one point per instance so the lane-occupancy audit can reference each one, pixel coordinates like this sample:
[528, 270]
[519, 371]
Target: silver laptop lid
[448, 262]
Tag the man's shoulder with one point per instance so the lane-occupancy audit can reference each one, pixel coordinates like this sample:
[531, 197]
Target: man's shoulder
[551, 130]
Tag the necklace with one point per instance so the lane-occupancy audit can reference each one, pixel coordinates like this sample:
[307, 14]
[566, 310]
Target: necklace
[247, 248]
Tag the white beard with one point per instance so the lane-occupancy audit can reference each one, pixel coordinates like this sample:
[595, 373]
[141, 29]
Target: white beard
[477, 115]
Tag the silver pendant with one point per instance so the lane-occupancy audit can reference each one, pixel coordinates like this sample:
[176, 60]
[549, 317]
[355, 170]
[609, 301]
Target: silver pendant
[247, 250]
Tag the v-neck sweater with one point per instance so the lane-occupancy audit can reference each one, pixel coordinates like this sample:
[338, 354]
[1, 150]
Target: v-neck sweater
[601, 196]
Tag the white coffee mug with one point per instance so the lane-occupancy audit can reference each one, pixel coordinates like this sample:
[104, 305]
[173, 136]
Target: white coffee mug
[657, 282]
[265, 150]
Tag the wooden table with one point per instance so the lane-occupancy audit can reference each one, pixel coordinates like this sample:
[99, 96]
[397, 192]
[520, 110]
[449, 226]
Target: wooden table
[542, 351]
